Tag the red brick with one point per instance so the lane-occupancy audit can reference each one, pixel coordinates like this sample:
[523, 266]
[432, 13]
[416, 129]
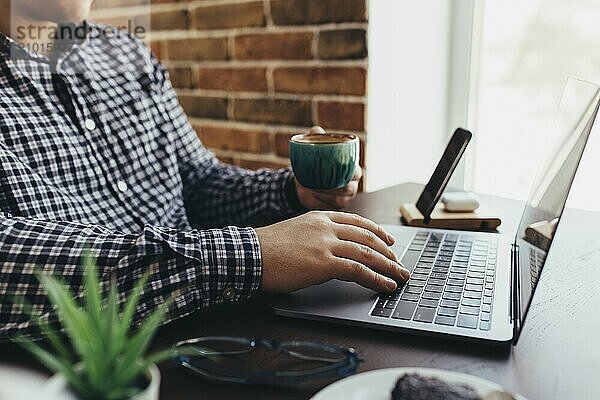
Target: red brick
[274, 46]
[323, 80]
[204, 107]
[225, 160]
[233, 79]
[339, 115]
[118, 3]
[181, 77]
[342, 44]
[224, 138]
[198, 49]
[156, 47]
[129, 3]
[307, 12]
[234, 15]
[291, 112]
[197, 129]
[257, 164]
[282, 146]
[117, 21]
[168, 20]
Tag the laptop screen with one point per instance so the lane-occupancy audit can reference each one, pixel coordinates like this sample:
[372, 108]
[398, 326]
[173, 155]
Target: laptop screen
[575, 117]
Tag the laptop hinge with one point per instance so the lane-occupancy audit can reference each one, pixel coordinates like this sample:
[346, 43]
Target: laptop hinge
[515, 291]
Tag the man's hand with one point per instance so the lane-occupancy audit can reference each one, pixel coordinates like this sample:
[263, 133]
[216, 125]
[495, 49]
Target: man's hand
[328, 199]
[318, 246]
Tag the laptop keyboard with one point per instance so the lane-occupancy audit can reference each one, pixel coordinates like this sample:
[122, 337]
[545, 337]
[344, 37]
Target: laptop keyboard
[452, 282]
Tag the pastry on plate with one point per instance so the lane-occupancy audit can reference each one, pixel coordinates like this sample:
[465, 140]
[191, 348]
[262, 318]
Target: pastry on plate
[418, 387]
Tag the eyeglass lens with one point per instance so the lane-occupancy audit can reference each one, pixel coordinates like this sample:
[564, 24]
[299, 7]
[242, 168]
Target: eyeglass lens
[240, 359]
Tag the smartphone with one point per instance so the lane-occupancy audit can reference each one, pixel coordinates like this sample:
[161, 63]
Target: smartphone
[443, 172]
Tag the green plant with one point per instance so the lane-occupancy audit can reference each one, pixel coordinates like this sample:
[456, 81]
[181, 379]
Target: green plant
[104, 358]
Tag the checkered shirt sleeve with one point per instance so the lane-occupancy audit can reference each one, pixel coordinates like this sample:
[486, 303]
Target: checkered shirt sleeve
[59, 198]
[193, 268]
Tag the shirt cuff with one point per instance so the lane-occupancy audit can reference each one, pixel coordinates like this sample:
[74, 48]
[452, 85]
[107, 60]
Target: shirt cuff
[232, 266]
[286, 195]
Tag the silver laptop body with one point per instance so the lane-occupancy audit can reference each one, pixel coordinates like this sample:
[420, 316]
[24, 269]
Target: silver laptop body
[467, 285]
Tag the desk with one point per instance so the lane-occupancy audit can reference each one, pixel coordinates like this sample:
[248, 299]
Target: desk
[558, 355]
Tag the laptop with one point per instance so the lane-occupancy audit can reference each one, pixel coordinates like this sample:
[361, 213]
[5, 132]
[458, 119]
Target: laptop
[467, 285]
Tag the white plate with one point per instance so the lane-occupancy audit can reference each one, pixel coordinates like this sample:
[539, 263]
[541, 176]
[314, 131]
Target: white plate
[20, 384]
[378, 384]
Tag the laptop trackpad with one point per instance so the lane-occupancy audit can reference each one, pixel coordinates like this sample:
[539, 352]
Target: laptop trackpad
[334, 298]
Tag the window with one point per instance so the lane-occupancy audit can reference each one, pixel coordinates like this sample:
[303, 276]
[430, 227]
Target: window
[409, 46]
[495, 67]
[524, 53]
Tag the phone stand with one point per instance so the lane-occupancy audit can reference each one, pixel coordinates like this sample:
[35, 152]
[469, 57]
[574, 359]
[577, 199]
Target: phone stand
[478, 220]
[427, 213]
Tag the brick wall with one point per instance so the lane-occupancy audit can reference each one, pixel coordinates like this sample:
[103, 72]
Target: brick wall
[251, 73]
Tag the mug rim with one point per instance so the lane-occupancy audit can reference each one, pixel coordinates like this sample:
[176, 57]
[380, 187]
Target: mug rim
[352, 137]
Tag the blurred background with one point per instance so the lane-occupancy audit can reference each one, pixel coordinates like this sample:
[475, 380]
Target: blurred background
[251, 73]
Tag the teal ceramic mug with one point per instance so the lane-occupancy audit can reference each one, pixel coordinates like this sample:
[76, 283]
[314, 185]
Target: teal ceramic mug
[324, 160]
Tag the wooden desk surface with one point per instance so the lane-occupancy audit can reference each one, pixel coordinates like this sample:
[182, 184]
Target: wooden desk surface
[558, 355]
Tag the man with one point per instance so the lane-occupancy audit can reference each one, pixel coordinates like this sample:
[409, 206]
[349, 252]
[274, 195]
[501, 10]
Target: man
[97, 155]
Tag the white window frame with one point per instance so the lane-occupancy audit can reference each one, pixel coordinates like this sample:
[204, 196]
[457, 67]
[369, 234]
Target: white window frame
[397, 149]
[465, 40]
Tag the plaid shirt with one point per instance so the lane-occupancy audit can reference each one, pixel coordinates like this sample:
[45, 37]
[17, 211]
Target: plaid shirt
[97, 155]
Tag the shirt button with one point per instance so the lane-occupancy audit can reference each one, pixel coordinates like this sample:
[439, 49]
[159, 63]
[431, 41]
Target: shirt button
[90, 125]
[122, 186]
[228, 294]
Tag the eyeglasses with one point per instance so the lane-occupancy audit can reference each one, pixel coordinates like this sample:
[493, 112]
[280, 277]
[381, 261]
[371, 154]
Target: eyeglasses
[259, 361]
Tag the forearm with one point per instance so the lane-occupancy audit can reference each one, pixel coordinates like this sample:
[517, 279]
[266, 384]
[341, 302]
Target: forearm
[194, 267]
[231, 195]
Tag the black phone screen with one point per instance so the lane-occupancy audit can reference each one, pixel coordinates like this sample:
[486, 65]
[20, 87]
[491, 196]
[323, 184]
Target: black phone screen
[443, 172]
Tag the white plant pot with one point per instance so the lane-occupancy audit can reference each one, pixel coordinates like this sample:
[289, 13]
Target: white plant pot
[17, 383]
[56, 388]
